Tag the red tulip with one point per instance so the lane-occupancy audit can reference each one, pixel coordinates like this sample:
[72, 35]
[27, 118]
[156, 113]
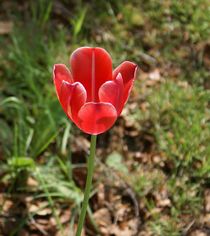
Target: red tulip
[91, 94]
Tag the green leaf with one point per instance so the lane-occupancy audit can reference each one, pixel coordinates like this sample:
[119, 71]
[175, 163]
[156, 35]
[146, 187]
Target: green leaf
[114, 160]
[79, 22]
[44, 133]
[21, 162]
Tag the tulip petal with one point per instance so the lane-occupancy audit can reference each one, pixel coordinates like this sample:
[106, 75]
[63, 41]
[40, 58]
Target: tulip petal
[113, 92]
[128, 71]
[72, 98]
[96, 118]
[61, 73]
[92, 67]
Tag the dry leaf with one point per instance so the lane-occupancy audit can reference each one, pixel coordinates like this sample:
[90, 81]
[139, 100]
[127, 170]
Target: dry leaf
[6, 27]
[207, 200]
[198, 233]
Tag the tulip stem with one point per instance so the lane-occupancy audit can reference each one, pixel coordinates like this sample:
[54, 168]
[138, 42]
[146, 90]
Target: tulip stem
[90, 168]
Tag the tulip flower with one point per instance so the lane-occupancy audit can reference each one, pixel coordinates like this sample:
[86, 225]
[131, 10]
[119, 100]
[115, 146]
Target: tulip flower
[93, 96]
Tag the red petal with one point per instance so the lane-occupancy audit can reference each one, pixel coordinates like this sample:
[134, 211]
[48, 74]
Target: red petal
[96, 118]
[112, 92]
[61, 73]
[72, 98]
[128, 71]
[92, 67]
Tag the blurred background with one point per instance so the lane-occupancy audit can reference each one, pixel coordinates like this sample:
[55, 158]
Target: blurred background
[152, 174]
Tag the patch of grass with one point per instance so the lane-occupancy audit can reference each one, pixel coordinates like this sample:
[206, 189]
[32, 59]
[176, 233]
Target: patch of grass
[144, 183]
[185, 196]
[181, 127]
[191, 16]
[31, 103]
[180, 116]
[164, 226]
[32, 116]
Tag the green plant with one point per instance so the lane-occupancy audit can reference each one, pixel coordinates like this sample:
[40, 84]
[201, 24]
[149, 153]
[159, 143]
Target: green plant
[180, 116]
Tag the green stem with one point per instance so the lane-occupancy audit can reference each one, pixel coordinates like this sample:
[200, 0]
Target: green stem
[90, 166]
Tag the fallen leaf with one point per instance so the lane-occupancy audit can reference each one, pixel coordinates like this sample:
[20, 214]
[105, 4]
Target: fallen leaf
[6, 27]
